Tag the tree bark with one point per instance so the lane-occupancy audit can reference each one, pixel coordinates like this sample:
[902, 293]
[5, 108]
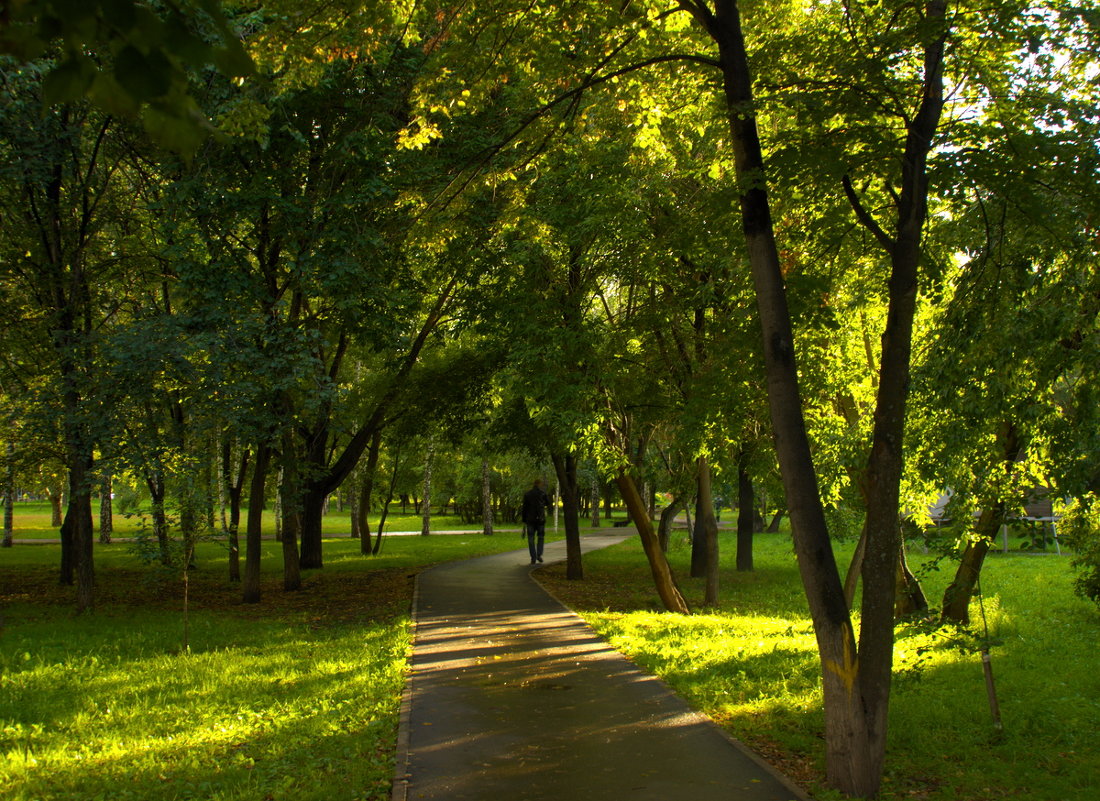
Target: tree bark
[106, 510]
[669, 593]
[668, 519]
[746, 514]
[426, 511]
[486, 499]
[290, 493]
[710, 532]
[254, 526]
[366, 493]
[234, 485]
[777, 519]
[855, 690]
[9, 498]
[566, 469]
[956, 598]
[594, 502]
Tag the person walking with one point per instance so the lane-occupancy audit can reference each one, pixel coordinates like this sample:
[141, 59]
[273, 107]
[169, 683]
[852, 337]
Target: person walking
[535, 504]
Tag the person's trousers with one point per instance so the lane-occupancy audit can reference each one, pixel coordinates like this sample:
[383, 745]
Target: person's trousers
[536, 533]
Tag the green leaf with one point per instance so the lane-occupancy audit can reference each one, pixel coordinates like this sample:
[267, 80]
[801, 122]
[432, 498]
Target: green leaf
[146, 77]
[68, 81]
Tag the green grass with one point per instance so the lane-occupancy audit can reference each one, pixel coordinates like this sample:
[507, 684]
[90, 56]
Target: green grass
[752, 666]
[32, 520]
[294, 698]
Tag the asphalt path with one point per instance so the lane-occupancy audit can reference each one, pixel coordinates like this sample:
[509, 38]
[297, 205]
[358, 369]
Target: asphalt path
[511, 696]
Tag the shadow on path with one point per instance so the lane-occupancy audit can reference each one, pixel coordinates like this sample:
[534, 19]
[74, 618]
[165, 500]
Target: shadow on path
[513, 697]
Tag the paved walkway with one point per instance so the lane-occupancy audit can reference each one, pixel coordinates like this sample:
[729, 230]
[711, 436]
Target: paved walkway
[513, 697]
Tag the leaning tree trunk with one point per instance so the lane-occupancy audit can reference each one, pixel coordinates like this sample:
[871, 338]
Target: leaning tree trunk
[566, 469]
[956, 598]
[662, 574]
[254, 527]
[668, 519]
[486, 499]
[746, 514]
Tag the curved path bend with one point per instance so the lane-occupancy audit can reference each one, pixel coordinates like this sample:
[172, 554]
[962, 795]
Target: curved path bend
[512, 697]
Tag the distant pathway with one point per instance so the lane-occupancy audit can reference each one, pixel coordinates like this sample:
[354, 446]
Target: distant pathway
[513, 697]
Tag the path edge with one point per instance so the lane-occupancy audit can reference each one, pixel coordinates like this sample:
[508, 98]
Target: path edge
[797, 792]
[399, 787]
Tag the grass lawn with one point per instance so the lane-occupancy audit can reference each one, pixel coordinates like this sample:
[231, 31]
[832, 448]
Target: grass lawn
[297, 697]
[752, 666]
[32, 521]
[294, 698]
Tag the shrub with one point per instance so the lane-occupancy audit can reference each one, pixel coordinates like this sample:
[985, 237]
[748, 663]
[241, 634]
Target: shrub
[1079, 529]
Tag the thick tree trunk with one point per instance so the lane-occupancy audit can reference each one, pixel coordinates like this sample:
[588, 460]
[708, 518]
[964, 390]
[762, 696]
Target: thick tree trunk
[78, 521]
[566, 469]
[56, 497]
[710, 532]
[662, 574]
[106, 510]
[746, 514]
[254, 526]
[486, 499]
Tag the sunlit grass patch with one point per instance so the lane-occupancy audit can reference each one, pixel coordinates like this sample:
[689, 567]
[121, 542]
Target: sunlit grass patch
[752, 666]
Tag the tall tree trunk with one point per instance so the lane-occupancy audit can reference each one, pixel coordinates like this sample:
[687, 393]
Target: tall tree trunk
[746, 517]
[106, 509]
[698, 535]
[426, 511]
[486, 499]
[254, 527]
[594, 502]
[710, 532]
[154, 482]
[310, 526]
[669, 593]
[566, 469]
[855, 690]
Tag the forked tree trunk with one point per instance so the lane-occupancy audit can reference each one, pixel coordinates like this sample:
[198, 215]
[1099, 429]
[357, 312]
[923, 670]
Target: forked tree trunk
[566, 469]
[855, 689]
[662, 574]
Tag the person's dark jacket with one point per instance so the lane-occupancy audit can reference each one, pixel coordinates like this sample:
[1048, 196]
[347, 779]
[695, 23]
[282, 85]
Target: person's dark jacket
[535, 504]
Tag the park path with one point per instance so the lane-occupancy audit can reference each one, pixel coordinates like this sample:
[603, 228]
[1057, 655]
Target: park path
[513, 697]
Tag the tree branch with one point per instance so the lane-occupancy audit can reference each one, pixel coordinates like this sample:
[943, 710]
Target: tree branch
[865, 216]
